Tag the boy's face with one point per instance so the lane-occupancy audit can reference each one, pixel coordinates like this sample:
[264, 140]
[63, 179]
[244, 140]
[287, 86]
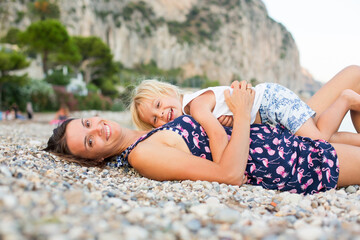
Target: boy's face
[160, 110]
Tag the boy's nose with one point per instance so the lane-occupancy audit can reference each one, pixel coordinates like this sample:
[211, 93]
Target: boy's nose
[160, 113]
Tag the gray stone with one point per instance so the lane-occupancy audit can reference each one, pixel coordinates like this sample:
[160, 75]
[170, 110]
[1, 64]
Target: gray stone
[227, 215]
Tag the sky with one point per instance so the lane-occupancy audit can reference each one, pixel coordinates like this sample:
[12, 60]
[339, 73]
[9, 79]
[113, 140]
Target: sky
[326, 32]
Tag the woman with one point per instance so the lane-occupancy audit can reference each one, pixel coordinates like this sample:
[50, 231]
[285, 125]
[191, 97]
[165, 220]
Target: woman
[297, 164]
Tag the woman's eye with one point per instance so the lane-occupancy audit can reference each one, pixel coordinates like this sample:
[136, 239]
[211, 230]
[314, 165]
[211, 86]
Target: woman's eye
[87, 123]
[90, 142]
[158, 105]
[155, 118]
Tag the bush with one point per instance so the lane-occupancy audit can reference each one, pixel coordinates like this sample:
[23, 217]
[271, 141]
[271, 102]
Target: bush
[58, 78]
[118, 106]
[64, 97]
[47, 97]
[94, 102]
[125, 96]
[92, 88]
[39, 92]
[199, 82]
[108, 88]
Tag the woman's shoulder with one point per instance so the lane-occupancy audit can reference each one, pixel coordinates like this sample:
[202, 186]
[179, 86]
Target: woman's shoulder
[154, 143]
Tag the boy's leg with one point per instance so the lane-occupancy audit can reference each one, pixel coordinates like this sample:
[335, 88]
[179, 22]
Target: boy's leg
[348, 78]
[329, 121]
[346, 138]
[310, 130]
[355, 118]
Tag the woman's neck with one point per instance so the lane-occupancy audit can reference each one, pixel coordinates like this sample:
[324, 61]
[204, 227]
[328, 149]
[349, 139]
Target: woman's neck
[128, 137]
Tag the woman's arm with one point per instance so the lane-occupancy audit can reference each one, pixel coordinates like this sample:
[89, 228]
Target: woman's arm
[240, 104]
[161, 162]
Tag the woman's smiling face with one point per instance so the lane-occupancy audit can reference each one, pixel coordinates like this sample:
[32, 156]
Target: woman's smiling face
[93, 138]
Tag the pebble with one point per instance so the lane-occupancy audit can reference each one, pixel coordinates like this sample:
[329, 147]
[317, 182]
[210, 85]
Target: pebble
[43, 197]
[4, 170]
[194, 225]
[350, 189]
[227, 216]
[308, 232]
[212, 201]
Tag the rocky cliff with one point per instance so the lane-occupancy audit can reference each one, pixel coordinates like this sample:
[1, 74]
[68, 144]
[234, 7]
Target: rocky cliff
[222, 39]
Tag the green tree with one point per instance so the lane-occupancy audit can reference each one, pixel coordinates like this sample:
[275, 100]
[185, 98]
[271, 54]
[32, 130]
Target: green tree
[46, 37]
[45, 9]
[12, 36]
[96, 62]
[11, 61]
[68, 55]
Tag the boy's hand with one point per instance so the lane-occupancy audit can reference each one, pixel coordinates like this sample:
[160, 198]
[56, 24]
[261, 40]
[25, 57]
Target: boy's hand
[248, 85]
[226, 120]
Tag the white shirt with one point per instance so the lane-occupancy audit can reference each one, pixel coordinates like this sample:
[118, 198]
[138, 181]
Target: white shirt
[221, 107]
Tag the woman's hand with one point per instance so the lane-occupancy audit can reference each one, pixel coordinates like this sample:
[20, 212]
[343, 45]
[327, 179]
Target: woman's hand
[227, 120]
[248, 85]
[241, 100]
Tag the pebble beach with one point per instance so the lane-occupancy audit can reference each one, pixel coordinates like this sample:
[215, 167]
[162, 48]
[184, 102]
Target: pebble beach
[43, 197]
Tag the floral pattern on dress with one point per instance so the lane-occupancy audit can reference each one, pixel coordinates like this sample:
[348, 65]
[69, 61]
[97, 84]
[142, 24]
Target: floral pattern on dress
[277, 159]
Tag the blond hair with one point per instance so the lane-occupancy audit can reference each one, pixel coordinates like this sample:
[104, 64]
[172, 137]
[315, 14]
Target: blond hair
[148, 90]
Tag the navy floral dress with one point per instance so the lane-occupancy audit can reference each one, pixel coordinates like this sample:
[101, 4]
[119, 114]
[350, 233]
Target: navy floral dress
[277, 159]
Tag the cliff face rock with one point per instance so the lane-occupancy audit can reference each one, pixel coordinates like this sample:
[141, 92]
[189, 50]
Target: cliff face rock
[222, 39]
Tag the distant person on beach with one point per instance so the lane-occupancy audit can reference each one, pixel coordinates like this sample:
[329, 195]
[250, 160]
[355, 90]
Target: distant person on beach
[29, 110]
[15, 112]
[269, 156]
[9, 114]
[61, 115]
